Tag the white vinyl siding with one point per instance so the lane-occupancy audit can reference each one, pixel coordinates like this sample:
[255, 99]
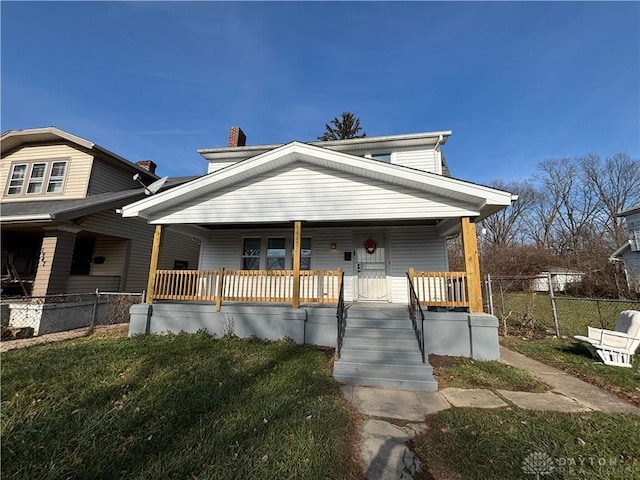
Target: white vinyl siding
[308, 192]
[219, 164]
[421, 159]
[416, 247]
[76, 171]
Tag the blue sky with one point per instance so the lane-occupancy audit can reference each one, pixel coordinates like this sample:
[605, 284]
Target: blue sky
[516, 82]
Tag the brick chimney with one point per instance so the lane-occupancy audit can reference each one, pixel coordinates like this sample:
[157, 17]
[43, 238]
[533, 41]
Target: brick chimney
[148, 165]
[237, 138]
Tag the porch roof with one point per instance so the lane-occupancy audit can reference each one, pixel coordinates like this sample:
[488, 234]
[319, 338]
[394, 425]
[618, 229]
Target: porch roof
[56, 210]
[465, 198]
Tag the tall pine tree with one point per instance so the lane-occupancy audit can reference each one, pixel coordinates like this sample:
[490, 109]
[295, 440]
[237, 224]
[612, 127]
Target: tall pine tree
[347, 127]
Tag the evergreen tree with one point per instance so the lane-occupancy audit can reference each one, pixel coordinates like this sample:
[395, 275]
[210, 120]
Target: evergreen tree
[347, 127]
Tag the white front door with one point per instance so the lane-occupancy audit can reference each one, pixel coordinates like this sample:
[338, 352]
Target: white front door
[371, 268]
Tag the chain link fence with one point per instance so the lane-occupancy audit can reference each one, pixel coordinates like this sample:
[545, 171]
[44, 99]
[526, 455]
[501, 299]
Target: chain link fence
[540, 305]
[24, 317]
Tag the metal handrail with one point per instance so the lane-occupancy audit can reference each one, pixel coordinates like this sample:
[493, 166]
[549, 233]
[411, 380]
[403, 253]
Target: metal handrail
[417, 317]
[340, 317]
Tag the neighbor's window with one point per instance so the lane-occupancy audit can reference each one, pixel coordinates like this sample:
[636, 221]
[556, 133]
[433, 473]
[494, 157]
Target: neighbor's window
[251, 254]
[180, 265]
[17, 179]
[276, 253]
[56, 178]
[36, 179]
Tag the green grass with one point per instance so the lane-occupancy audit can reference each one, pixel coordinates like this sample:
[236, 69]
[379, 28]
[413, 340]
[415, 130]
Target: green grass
[531, 314]
[174, 407]
[463, 372]
[469, 444]
[574, 358]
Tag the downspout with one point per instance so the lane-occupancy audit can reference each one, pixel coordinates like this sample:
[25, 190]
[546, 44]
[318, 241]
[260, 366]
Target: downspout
[435, 149]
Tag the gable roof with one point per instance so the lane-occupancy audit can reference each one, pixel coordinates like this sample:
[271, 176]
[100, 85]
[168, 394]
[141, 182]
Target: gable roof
[630, 211]
[487, 200]
[13, 139]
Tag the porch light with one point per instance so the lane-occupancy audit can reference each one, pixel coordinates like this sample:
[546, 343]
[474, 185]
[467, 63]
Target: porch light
[333, 246]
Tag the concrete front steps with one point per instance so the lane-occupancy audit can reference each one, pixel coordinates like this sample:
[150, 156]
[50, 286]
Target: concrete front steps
[380, 349]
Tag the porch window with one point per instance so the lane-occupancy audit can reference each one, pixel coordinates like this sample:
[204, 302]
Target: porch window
[251, 254]
[17, 179]
[36, 179]
[305, 254]
[56, 178]
[276, 253]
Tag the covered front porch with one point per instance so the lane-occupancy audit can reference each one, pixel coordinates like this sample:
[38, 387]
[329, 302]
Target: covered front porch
[327, 265]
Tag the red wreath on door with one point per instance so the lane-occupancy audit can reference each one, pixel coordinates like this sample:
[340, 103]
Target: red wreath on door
[370, 245]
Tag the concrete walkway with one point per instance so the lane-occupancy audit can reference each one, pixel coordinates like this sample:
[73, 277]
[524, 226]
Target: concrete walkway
[392, 417]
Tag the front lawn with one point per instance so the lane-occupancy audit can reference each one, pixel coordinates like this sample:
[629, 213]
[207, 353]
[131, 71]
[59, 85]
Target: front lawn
[471, 444]
[575, 359]
[463, 372]
[174, 407]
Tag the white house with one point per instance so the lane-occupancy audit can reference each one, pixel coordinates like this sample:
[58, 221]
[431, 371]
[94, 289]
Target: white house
[561, 278]
[629, 252]
[322, 223]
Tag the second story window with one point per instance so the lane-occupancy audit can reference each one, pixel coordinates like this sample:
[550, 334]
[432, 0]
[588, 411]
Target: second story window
[17, 179]
[56, 178]
[37, 178]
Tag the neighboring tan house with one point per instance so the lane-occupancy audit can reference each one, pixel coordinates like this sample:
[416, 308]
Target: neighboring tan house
[60, 229]
[561, 278]
[321, 224]
[629, 252]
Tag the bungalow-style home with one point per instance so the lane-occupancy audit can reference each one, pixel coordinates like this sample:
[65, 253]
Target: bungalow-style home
[629, 252]
[560, 278]
[60, 229]
[329, 243]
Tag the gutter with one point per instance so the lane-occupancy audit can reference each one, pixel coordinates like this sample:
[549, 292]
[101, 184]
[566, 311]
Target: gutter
[27, 218]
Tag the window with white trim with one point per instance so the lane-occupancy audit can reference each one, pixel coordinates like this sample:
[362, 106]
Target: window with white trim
[36, 179]
[56, 177]
[17, 179]
[276, 253]
[251, 254]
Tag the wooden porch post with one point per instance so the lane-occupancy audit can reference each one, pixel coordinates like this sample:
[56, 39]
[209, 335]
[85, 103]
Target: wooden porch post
[297, 243]
[471, 263]
[158, 238]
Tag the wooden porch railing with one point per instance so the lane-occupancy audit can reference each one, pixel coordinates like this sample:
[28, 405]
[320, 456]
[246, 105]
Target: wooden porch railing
[440, 289]
[265, 286]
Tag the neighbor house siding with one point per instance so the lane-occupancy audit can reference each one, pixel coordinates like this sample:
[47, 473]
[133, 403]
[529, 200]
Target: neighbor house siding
[421, 159]
[307, 192]
[108, 178]
[177, 246]
[76, 177]
[136, 268]
[115, 252]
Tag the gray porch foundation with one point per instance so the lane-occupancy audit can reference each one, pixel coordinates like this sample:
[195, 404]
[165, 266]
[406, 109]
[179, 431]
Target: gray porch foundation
[462, 334]
[446, 333]
[307, 325]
